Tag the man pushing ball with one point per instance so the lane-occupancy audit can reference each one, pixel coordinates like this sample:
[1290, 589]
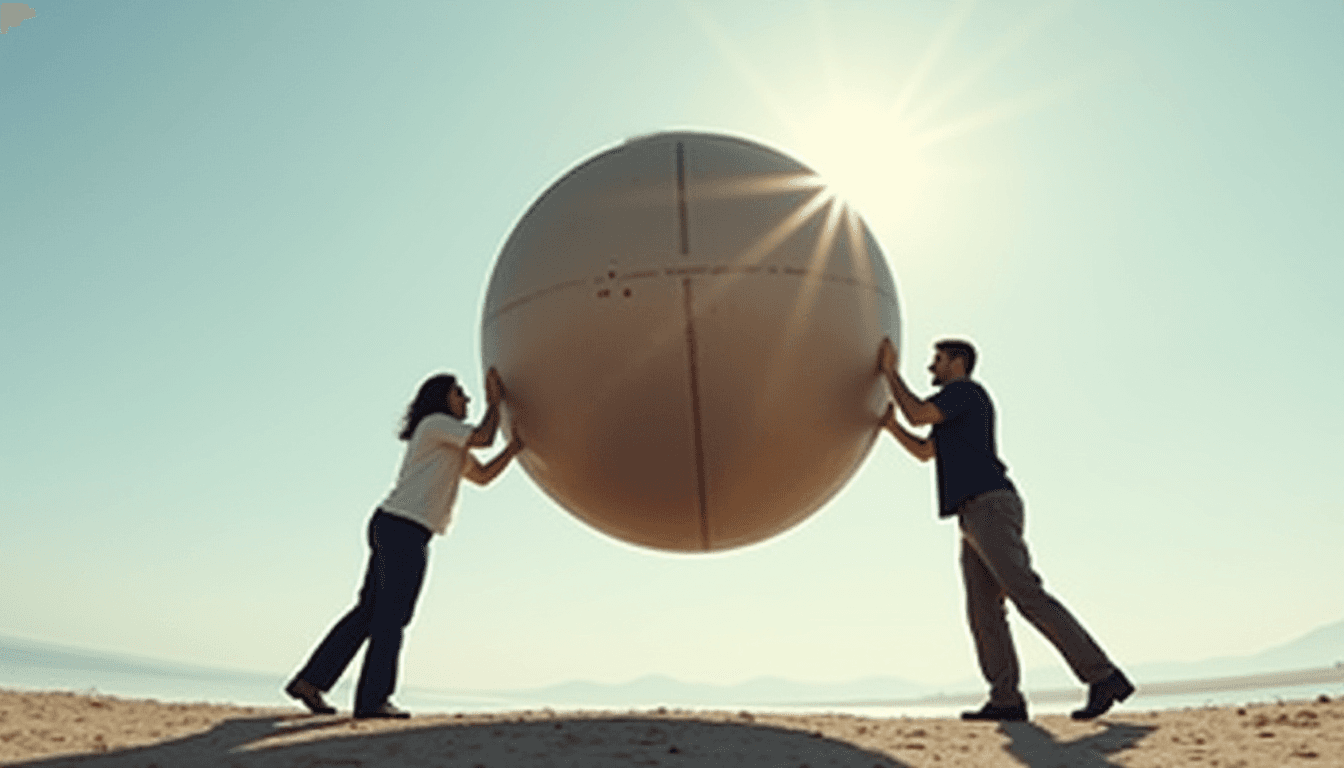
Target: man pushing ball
[973, 486]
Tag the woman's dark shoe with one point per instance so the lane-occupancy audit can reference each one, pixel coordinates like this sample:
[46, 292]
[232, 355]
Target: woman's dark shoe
[1101, 695]
[310, 696]
[387, 710]
[991, 712]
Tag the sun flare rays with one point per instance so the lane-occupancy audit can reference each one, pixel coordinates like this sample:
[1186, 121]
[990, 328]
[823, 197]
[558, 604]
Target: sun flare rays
[874, 149]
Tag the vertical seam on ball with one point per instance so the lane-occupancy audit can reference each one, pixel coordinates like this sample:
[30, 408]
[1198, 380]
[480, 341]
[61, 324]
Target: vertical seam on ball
[681, 198]
[701, 495]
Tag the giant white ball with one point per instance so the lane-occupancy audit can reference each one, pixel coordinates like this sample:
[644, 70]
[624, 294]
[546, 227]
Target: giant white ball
[687, 326]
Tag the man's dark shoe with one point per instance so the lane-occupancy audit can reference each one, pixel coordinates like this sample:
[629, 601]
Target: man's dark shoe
[991, 712]
[387, 710]
[310, 696]
[1101, 695]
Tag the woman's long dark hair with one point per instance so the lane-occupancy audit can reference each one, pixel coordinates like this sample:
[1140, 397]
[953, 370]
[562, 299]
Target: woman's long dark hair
[432, 398]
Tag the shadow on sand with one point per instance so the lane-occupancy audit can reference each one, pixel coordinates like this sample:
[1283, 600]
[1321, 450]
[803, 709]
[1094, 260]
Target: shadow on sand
[1036, 747]
[270, 742]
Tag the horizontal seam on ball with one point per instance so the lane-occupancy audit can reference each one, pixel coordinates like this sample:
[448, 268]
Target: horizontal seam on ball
[696, 270]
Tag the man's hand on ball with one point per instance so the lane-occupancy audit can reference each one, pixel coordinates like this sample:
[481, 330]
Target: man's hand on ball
[886, 356]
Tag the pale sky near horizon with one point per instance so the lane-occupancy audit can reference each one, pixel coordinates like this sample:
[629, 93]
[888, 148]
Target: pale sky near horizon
[235, 236]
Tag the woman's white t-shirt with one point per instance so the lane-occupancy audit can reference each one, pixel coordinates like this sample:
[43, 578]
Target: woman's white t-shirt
[427, 483]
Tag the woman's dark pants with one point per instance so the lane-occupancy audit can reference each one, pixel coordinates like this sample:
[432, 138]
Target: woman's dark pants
[392, 582]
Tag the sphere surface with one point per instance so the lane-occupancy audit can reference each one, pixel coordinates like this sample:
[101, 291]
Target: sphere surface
[687, 326]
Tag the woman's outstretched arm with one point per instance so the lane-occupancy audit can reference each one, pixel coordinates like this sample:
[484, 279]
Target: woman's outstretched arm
[482, 474]
[484, 435]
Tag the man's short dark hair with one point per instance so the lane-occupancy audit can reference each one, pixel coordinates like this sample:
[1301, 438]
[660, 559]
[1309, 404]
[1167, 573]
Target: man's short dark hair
[958, 348]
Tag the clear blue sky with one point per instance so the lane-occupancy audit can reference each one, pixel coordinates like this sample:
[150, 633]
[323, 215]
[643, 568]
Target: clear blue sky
[234, 236]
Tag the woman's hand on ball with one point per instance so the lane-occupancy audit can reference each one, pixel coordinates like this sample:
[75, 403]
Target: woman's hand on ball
[494, 387]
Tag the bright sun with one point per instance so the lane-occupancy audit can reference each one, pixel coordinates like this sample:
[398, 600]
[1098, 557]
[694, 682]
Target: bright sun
[866, 155]
[882, 157]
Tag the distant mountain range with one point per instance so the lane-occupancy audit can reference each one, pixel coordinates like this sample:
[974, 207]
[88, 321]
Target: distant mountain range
[1321, 647]
[29, 663]
[18, 653]
[660, 689]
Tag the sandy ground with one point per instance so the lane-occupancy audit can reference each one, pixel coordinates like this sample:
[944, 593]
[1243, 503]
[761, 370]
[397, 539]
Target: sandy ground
[92, 731]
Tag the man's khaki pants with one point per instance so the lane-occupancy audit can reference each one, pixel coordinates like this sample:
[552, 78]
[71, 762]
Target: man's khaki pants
[995, 565]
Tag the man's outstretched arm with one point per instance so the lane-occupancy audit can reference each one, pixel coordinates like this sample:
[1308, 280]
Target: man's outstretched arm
[917, 412]
[482, 474]
[920, 447]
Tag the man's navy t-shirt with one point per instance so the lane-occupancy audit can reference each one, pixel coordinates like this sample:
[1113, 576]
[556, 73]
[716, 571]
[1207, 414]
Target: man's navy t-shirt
[965, 452]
